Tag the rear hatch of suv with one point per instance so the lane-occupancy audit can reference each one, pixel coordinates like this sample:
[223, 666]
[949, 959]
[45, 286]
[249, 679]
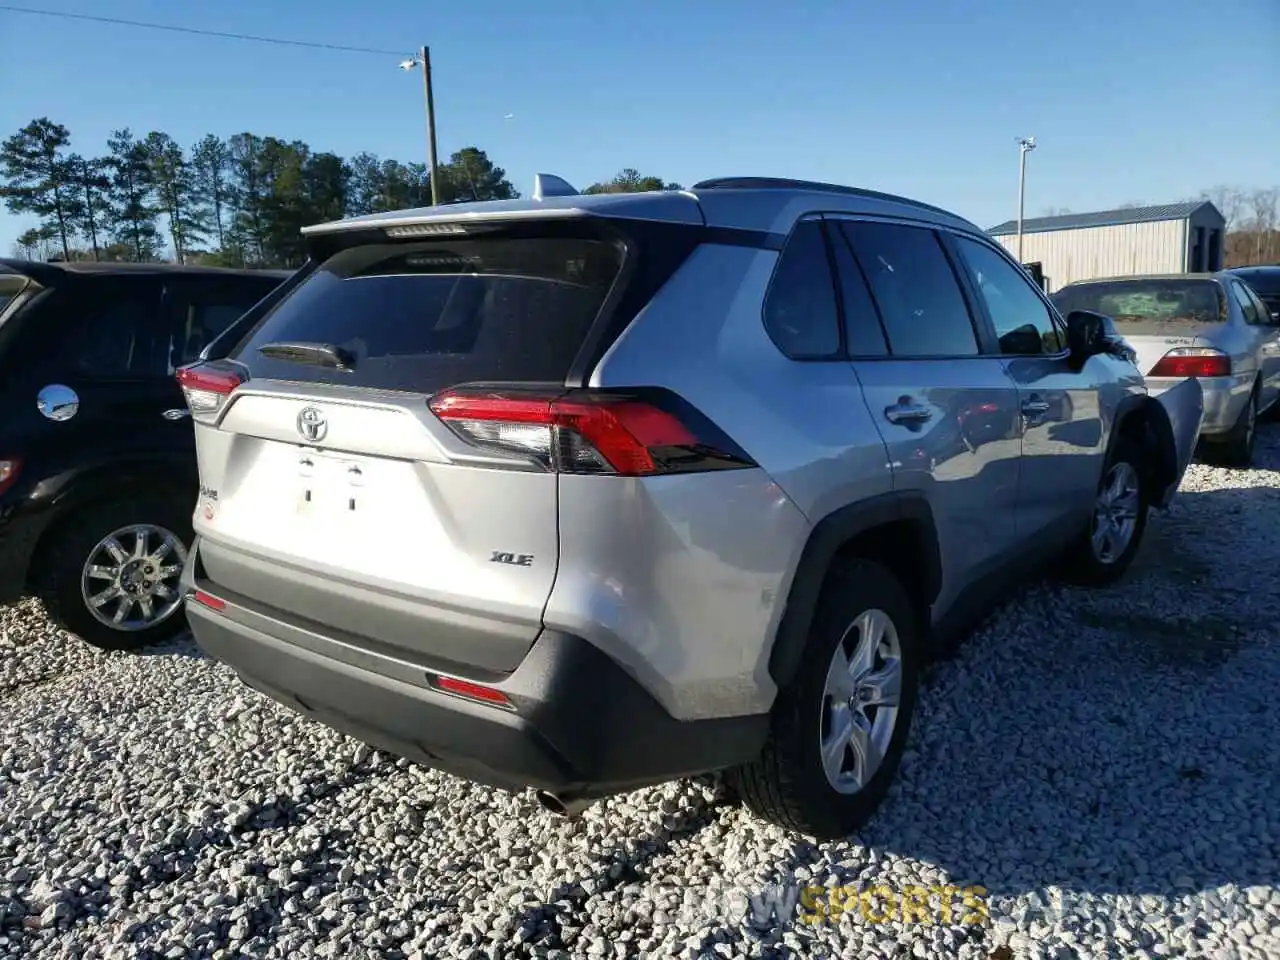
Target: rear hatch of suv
[380, 453]
[1168, 321]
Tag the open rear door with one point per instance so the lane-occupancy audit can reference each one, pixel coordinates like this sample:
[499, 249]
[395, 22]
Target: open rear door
[1184, 405]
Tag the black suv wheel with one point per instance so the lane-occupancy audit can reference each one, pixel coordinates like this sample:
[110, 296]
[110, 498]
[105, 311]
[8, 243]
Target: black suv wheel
[110, 574]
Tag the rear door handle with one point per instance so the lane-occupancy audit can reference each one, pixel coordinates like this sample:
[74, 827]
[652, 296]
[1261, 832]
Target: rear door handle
[1035, 407]
[175, 414]
[907, 413]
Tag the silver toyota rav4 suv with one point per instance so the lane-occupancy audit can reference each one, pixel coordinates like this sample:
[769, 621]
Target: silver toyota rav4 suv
[587, 493]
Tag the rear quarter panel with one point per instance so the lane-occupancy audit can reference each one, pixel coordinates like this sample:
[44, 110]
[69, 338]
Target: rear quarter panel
[713, 555]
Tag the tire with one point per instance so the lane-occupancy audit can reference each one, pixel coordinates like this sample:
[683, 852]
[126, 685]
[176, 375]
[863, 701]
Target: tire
[66, 583]
[1086, 562]
[1237, 449]
[788, 784]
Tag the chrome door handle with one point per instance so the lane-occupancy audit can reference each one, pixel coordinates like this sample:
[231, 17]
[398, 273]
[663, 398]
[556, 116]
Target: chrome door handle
[176, 414]
[907, 413]
[1034, 408]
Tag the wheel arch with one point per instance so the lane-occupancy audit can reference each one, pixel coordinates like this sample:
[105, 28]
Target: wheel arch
[896, 529]
[70, 492]
[1142, 419]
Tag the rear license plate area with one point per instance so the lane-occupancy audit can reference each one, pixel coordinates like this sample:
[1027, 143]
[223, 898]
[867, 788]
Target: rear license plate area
[329, 486]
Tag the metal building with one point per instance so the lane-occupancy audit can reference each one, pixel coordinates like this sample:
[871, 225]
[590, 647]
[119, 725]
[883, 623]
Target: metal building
[1169, 238]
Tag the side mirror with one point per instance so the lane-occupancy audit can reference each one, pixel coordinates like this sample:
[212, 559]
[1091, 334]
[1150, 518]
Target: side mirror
[1085, 338]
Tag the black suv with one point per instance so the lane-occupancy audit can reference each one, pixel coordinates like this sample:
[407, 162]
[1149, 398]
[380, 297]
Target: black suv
[98, 473]
[1265, 281]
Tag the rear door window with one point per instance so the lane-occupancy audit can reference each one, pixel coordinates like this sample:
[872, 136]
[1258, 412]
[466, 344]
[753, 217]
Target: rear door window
[864, 332]
[915, 289]
[423, 316]
[113, 331]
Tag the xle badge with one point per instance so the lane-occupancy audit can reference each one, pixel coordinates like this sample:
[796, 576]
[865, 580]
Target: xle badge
[512, 559]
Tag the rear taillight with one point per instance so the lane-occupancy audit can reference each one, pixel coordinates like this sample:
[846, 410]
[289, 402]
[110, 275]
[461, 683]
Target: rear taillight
[633, 434]
[9, 472]
[207, 387]
[1192, 362]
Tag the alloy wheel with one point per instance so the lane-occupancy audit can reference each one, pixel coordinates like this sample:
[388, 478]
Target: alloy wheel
[860, 701]
[130, 580]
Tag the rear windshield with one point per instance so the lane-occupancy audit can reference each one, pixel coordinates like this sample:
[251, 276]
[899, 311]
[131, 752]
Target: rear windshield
[1134, 301]
[423, 316]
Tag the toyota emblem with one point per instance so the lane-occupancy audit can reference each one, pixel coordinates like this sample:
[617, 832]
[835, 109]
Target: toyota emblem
[312, 424]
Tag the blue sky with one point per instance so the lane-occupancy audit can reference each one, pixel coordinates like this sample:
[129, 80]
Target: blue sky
[1130, 100]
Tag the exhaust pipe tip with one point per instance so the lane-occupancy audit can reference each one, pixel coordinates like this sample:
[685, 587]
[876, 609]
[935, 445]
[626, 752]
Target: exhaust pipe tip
[562, 806]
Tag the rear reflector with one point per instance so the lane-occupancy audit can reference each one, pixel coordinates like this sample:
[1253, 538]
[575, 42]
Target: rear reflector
[207, 600]
[9, 472]
[1192, 362]
[207, 387]
[636, 434]
[471, 691]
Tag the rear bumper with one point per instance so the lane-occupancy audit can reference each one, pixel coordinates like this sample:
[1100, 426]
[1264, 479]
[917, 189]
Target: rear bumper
[578, 724]
[1224, 400]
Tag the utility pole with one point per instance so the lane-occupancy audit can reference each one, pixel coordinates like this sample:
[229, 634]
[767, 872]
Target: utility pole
[423, 60]
[425, 56]
[1025, 146]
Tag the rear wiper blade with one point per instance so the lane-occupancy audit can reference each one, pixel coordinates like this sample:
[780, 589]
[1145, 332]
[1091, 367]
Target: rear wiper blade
[314, 354]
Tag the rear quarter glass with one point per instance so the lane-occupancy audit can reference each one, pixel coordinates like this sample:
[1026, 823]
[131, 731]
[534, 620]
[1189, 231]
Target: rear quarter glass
[421, 316]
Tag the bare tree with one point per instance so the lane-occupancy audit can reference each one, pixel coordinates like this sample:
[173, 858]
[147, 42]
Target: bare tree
[1230, 202]
[1263, 204]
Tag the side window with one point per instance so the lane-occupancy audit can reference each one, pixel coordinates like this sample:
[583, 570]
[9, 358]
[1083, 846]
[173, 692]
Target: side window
[202, 312]
[1264, 312]
[915, 289]
[864, 333]
[800, 307]
[116, 333]
[1024, 325]
[1251, 315]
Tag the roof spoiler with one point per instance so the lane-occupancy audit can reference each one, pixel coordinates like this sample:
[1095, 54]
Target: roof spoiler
[549, 185]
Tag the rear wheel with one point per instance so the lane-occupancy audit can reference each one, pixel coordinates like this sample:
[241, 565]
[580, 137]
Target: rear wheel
[1237, 449]
[839, 729]
[111, 573]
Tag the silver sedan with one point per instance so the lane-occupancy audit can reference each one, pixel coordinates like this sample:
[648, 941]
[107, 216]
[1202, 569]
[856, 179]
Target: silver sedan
[1211, 326]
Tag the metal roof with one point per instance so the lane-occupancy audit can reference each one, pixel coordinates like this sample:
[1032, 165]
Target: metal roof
[1105, 218]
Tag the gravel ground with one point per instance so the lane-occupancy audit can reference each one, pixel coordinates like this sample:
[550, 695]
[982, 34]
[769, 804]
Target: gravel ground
[1101, 764]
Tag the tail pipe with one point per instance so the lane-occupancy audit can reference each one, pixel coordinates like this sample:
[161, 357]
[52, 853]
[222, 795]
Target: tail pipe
[567, 805]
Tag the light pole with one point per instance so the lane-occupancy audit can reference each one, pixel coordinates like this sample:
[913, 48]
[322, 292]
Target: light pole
[423, 60]
[1025, 146]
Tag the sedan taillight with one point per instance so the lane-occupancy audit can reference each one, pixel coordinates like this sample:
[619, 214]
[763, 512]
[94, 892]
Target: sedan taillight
[1183, 362]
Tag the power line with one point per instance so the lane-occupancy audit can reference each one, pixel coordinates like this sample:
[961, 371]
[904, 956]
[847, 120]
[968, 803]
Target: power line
[202, 33]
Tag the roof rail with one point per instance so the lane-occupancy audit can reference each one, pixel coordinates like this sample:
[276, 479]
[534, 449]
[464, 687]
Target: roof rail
[782, 183]
[549, 185]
